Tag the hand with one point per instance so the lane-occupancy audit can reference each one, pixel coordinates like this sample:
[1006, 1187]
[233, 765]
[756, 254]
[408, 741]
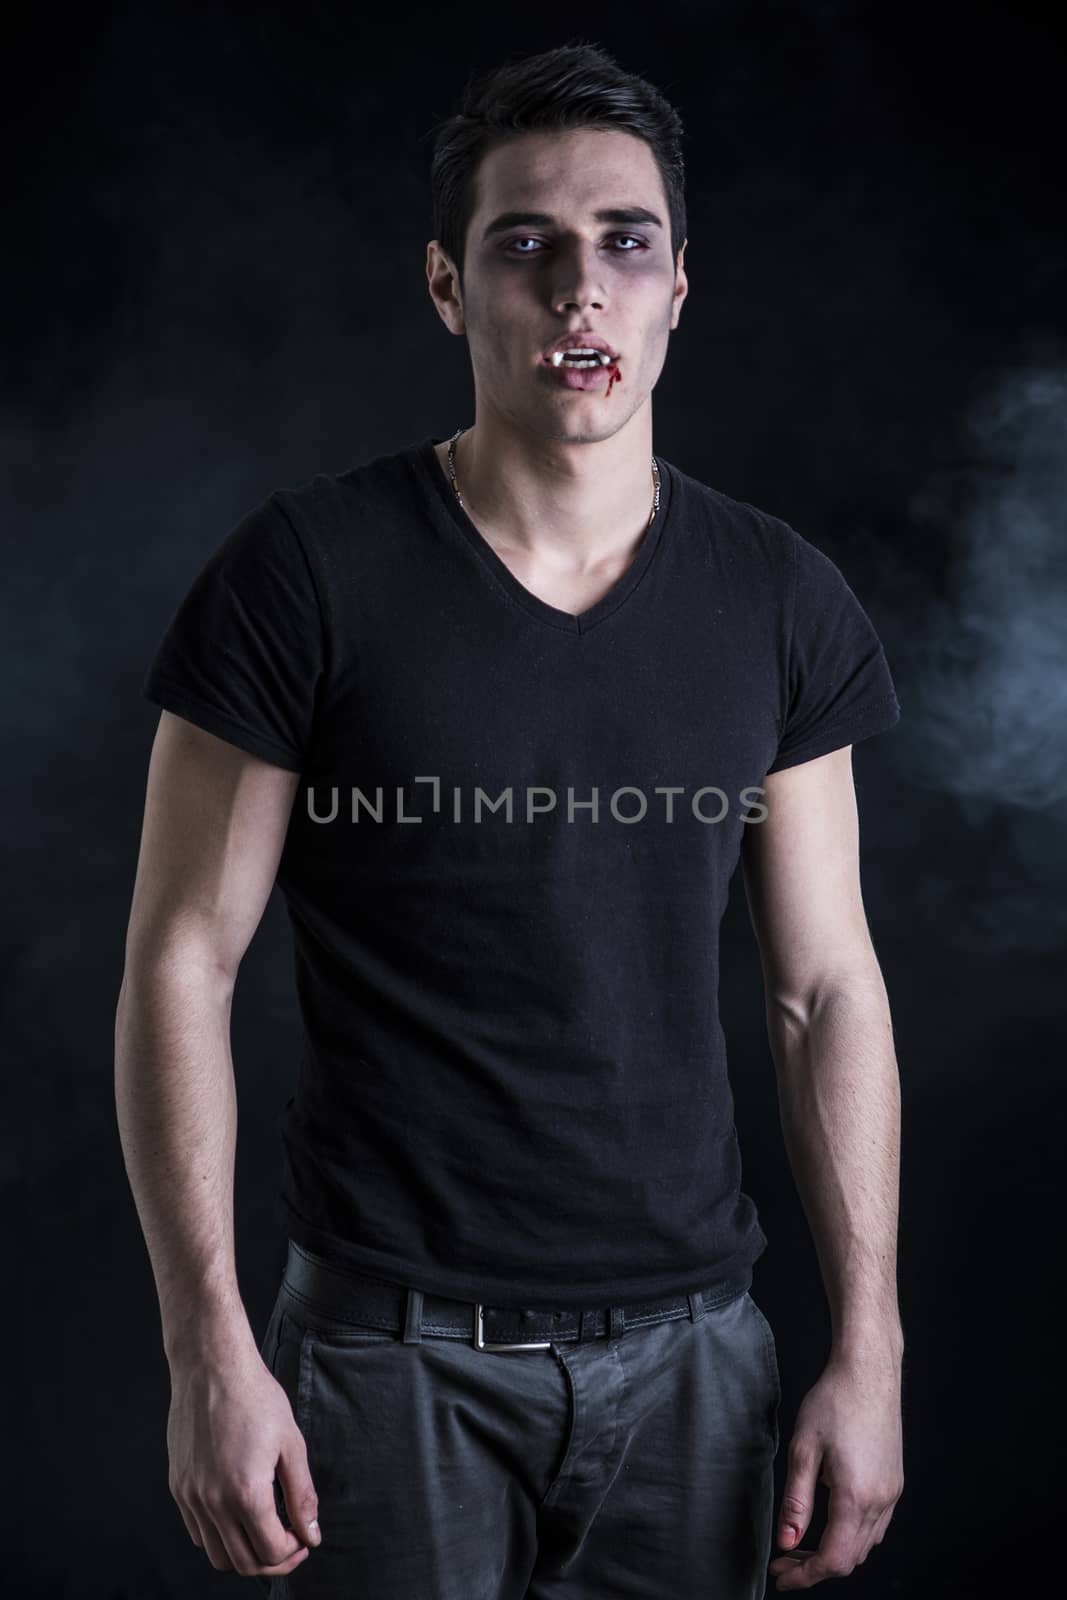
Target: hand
[230, 1429]
[849, 1426]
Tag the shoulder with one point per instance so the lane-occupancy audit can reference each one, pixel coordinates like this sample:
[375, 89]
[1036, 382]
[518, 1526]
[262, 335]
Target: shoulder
[802, 568]
[350, 520]
[739, 531]
[327, 499]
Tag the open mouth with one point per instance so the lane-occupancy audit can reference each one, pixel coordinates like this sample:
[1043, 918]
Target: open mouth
[580, 359]
[583, 368]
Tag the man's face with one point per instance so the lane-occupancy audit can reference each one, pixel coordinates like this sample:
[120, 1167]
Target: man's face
[528, 283]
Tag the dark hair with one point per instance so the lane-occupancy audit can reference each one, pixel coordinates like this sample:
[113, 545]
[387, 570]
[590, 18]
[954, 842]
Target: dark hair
[577, 85]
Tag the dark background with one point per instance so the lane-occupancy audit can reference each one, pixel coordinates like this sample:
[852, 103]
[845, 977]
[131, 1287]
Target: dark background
[217, 222]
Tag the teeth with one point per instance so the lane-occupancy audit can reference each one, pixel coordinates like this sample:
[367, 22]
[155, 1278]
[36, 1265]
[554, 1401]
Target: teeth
[581, 358]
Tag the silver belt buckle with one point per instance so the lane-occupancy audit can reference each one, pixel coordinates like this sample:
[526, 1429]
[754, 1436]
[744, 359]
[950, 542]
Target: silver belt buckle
[479, 1336]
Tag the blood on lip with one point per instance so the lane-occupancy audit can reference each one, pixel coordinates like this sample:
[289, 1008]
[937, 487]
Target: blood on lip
[614, 375]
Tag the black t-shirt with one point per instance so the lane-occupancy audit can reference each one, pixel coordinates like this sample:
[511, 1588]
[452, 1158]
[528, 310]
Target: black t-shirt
[507, 862]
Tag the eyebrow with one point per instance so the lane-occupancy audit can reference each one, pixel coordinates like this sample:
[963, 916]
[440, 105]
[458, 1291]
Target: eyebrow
[542, 219]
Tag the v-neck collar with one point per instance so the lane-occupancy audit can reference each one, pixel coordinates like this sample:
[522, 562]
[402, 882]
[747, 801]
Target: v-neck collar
[443, 500]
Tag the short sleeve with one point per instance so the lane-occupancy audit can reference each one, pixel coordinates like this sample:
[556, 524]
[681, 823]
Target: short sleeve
[839, 687]
[243, 655]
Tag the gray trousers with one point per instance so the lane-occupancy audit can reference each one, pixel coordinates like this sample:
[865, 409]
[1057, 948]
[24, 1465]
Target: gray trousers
[637, 1467]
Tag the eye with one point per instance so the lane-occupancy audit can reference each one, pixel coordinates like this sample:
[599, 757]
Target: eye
[528, 239]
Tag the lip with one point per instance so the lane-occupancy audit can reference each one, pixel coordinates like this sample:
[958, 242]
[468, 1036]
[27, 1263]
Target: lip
[581, 339]
[580, 378]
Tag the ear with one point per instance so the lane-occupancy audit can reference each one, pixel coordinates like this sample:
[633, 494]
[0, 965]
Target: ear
[442, 279]
[681, 286]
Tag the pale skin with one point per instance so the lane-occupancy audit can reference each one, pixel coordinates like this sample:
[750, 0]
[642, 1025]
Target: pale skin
[214, 825]
[831, 1038]
[559, 482]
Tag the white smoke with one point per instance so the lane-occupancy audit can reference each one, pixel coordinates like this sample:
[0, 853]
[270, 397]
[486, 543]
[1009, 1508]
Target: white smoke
[981, 665]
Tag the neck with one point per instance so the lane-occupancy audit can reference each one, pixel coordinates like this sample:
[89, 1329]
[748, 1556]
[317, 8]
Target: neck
[574, 505]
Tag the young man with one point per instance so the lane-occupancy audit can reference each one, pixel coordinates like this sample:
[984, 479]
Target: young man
[501, 720]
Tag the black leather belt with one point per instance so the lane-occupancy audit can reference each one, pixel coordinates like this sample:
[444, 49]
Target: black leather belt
[337, 1294]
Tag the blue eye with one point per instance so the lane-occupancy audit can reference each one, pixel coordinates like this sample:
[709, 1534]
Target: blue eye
[527, 238]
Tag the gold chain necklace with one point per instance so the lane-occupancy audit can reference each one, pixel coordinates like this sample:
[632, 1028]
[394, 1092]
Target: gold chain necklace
[459, 497]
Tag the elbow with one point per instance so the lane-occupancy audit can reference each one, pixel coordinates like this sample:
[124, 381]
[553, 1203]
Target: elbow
[796, 1008]
[171, 955]
[789, 1020]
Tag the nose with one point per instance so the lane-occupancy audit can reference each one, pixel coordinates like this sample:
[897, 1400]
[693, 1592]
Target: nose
[577, 277]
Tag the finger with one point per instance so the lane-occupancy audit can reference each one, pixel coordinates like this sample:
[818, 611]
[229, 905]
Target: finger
[301, 1501]
[782, 1564]
[245, 1560]
[798, 1497]
[192, 1526]
[836, 1556]
[285, 1567]
[872, 1533]
[282, 1568]
[214, 1547]
[881, 1525]
[270, 1542]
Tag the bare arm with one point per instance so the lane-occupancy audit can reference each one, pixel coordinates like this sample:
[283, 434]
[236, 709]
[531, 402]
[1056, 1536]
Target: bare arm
[831, 1038]
[214, 827]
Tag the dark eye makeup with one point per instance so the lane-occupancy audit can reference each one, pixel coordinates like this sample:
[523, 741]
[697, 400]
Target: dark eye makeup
[524, 238]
